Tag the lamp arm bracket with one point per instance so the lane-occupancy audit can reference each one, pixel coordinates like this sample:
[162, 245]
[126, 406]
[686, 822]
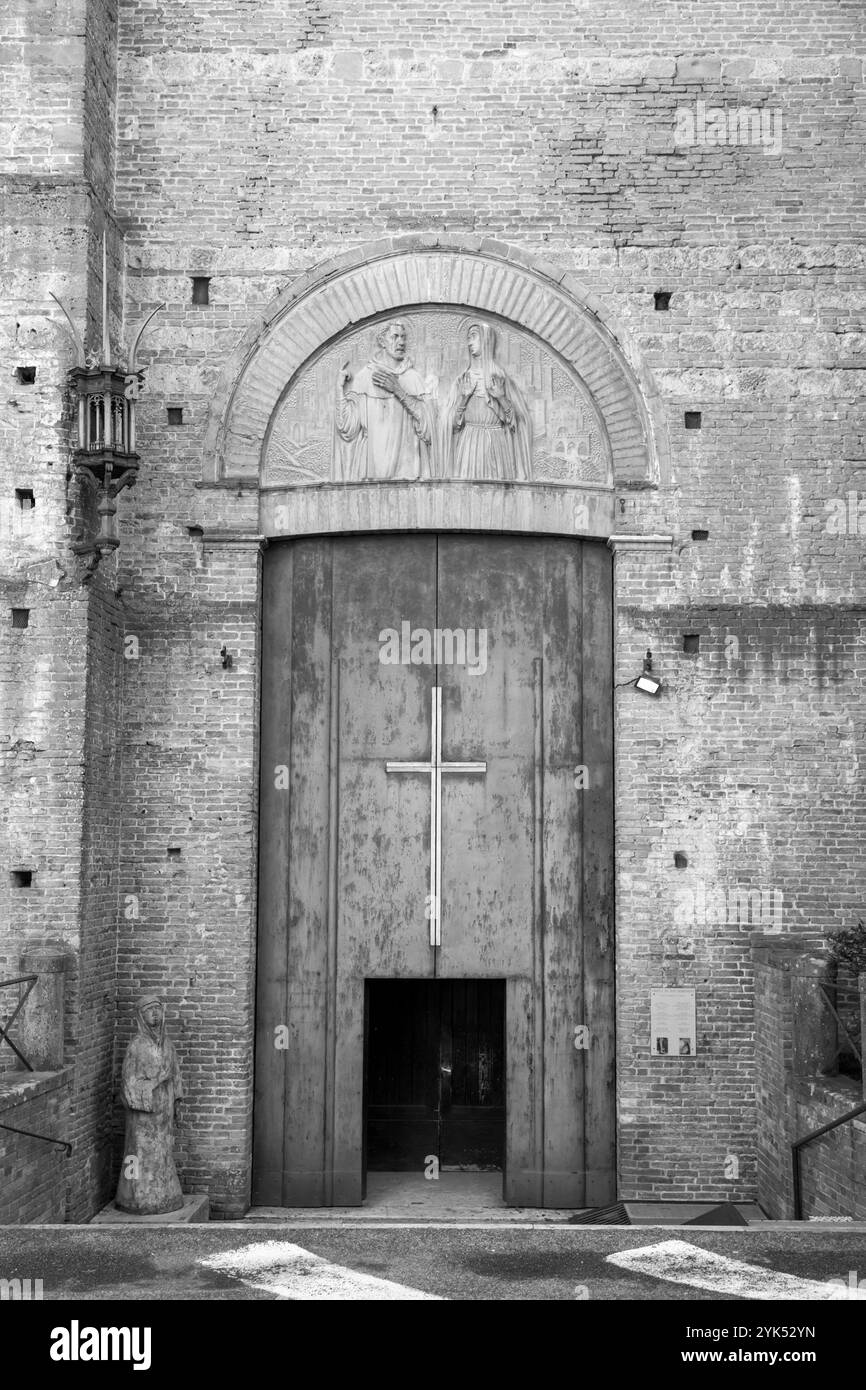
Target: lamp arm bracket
[134, 349]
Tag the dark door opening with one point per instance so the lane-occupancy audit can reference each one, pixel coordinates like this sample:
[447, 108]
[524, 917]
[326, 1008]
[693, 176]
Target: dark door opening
[435, 1074]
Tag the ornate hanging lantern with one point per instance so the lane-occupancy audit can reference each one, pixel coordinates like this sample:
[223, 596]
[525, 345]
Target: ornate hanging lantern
[106, 397]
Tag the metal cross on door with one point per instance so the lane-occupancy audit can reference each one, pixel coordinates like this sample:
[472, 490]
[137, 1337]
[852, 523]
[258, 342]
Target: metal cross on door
[434, 769]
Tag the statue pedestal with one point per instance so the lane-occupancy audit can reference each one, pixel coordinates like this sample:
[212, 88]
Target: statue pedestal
[195, 1209]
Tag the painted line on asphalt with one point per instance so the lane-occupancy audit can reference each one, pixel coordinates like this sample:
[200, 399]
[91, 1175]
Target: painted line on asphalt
[681, 1263]
[289, 1271]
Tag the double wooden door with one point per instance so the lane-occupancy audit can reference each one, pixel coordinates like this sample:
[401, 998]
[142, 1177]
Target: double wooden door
[436, 806]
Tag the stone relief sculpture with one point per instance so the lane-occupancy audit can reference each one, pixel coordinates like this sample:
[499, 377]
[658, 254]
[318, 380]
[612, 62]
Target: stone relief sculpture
[486, 431]
[151, 1088]
[476, 399]
[384, 417]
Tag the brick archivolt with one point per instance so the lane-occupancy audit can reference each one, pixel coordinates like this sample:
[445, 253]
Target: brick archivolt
[480, 277]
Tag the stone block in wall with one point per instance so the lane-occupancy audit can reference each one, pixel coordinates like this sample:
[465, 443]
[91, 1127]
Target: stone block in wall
[40, 1023]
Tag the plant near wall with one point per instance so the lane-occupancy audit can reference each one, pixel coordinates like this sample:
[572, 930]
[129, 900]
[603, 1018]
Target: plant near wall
[849, 948]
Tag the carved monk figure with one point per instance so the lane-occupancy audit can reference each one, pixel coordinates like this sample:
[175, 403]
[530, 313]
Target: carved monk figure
[486, 429]
[384, 415]
[151, 1087]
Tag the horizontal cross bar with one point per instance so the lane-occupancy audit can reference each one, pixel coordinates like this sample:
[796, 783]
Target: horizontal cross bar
[429, 767]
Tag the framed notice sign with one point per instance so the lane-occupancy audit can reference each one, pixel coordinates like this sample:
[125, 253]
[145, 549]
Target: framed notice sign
[672, 1023]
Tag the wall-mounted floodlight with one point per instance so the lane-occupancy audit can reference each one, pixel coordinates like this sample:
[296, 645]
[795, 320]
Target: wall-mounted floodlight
[647, 682]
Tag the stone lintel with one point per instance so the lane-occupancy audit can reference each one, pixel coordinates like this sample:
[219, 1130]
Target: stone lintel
[438, 505]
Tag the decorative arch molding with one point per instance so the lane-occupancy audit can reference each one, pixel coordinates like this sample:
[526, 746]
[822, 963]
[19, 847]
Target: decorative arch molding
[471, 274]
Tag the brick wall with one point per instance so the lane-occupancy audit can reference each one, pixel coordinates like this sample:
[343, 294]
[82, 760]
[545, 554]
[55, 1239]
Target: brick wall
[724, 767]
[43, 57]
[59, 755]
[254, 145]
[32, 1173]
[791, 1102]
[94, 984]
[313, 137]
[190, 787]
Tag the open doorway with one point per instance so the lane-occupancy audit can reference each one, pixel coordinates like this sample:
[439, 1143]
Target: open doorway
[435, 1076]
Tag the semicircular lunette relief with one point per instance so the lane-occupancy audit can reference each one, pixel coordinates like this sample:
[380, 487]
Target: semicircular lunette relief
[436, 393]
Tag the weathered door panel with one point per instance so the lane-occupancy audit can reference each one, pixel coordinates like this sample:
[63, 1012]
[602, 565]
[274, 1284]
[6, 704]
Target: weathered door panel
[598, 879]
[293, 855]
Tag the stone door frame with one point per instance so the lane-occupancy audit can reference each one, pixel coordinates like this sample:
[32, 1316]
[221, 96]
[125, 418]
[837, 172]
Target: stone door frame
[236, 516]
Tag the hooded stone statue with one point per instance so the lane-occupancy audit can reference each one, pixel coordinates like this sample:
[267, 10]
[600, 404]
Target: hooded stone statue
[150, 1089]
[486, 428]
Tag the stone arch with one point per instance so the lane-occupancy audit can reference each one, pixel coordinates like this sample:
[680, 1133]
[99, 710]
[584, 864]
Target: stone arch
[471, 274]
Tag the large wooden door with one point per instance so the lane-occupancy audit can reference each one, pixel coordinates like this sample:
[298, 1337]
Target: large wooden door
[435, 1077]
[521, 830]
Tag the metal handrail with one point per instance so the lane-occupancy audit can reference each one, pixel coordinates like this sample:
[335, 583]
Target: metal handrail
[30, 981]
[46, 1138]
[799, 1144]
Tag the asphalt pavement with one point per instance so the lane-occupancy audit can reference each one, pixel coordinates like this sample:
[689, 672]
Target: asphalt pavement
[477, 1261]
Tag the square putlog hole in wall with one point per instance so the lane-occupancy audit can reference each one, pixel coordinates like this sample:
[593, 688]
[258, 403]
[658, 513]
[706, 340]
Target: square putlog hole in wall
[22, 878]
[25, 375]
[691, 642]
[680, 860]
[201, 289]
[175, 415]
[20, 617]
[662, 299]
[692, 419]
[25, 498]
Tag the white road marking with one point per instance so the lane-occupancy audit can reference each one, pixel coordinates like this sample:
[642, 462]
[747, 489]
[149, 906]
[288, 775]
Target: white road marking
[289, 1271]
[681, 1263]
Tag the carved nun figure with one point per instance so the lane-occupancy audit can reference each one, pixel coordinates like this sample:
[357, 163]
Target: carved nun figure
[487, 432]
[150, 1089]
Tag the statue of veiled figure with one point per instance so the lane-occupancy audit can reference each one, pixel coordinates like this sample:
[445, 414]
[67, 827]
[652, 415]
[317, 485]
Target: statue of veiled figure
[150, 1088]
[485, 430]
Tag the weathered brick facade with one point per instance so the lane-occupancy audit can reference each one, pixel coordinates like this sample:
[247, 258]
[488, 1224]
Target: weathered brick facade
[257, 144]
